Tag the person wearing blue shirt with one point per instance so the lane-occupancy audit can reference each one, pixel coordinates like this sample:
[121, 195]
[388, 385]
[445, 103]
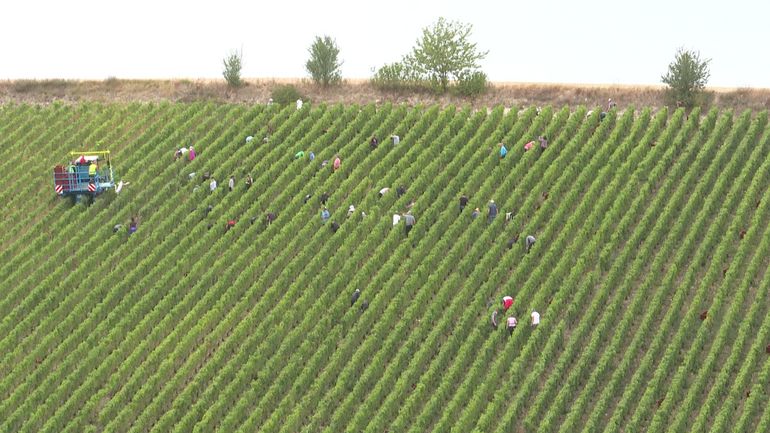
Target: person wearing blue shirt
[503, 151]
[324, 215]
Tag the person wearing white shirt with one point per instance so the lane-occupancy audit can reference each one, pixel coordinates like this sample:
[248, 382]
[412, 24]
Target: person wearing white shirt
[212, 185]
[396, 139]
[511, 322]
[299, 104]
[535, 318]
[384, 191]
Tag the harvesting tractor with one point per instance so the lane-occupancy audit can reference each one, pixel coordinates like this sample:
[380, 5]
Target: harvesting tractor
[87, 175]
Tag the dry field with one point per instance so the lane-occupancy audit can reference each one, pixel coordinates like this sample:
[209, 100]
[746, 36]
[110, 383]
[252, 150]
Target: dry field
[359, 92]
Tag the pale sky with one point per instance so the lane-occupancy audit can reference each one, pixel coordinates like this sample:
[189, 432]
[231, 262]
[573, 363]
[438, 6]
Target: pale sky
[568, 41]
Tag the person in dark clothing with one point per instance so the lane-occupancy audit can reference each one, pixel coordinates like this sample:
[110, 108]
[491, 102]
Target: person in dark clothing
[334, 226]
[209, 226]
[374, 142]
[463, 202]
[133, 225]
[492, 211]
[324, 197]
[252, 219]
[270, 217]
[543, 141]
[400, 190]
[208, 210]
[512, 242]
[307, 197]
[206, 175]
[249, 181]
[355, 297]
[364, 305]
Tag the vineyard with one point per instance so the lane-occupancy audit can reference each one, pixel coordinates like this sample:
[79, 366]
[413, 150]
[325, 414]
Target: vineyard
[649, 271]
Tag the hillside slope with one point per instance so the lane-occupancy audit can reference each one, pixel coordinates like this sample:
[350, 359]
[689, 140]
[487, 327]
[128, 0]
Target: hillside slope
[644, 221]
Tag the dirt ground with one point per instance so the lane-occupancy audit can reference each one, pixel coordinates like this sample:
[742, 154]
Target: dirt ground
[360, 92]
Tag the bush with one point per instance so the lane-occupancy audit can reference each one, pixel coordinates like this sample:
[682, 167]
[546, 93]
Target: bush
[472, 84]
[395, 77]
[285, 94]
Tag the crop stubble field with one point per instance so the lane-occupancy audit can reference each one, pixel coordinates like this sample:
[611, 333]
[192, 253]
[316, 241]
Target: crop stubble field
[645, 221]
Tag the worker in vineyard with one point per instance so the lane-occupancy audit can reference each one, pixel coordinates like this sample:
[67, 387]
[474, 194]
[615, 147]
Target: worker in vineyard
[529, 242]
[116, 228]
[543, 141]
[512, 241]
[324, 215]
[409, 222]
[270, 217]
[494, 319]
[324, 197]
[492, 211]
[401, 190]
[192, 153]
[299, 154]
[180, 153]
[249, 181]
[364, 305]
[92, 169]
[133, 225]
[535, 318]
[208, 210]
[212, 185]
[384, 191]
[511, 323]
[374, 142]
[611, 104]
[396, 139]
[334, 226]
[337, 163]
[307, 197]
[507, 302]
[475, 214]
[503, 151]
[230, 224]
[351, 210]
[311, 155]
[231, 183]
[463, 202]
[355, 297]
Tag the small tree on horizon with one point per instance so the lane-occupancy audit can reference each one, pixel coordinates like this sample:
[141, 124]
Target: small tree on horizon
[232, 71]
[324, 65]
[444, 53]
[686, 77]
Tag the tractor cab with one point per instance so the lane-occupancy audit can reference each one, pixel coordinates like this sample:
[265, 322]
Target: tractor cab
[86, 174]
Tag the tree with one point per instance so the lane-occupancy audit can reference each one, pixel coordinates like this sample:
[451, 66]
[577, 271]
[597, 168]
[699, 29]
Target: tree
[323, 65]
[686, 77]
[444, 53]
[232, 72]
